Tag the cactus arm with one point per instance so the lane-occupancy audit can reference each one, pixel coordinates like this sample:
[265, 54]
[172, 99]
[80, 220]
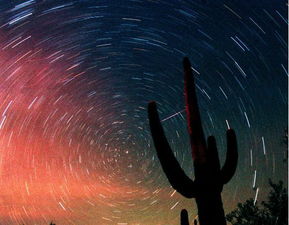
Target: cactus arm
[184, 217]
[230, 165]
[196, 133]
[175, 174]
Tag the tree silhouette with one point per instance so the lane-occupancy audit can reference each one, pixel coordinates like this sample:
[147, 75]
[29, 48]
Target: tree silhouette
[277, 204]
[274, 211]
[246, 214]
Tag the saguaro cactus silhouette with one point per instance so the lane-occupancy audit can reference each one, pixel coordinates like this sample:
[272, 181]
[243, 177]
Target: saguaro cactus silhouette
[209, 179]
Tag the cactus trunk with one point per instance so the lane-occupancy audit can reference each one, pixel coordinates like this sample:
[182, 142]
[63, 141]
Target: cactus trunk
[210, 209]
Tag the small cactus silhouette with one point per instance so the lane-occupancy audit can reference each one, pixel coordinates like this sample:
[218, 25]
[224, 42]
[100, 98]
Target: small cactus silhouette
[184, 217]
[209, 176]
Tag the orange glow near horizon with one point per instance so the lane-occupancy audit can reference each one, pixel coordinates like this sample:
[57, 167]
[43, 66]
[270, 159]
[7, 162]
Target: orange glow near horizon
[54, 163]
[47, 171]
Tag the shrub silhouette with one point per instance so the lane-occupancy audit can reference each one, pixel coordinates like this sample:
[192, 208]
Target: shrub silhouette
[209, 176]
[274, 211]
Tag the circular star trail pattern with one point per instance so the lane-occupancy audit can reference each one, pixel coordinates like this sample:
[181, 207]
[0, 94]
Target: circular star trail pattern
[75, 80]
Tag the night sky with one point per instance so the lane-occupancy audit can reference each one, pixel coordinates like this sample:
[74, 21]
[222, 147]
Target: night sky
[75, 80]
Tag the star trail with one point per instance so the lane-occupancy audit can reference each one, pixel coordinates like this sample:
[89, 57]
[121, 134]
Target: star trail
[75, 81]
